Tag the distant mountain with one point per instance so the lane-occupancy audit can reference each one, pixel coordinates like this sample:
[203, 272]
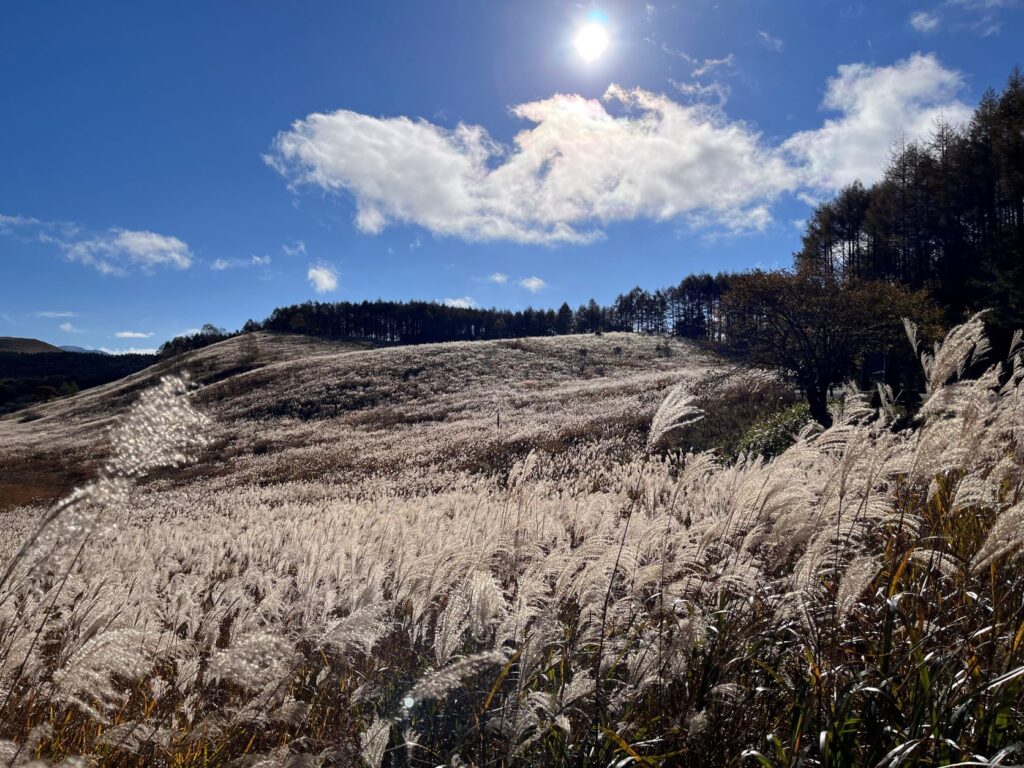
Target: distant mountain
[73, 348]
[28, 346]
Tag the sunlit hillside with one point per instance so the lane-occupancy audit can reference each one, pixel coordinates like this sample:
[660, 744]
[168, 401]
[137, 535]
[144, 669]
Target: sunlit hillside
[291, 407]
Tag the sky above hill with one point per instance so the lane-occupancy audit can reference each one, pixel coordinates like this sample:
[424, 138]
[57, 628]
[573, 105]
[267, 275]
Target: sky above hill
[168, 165]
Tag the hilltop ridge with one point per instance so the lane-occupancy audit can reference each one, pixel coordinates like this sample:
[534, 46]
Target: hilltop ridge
[25, 346]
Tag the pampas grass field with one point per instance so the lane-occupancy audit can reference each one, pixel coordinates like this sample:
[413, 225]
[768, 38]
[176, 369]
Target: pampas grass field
[506, 553]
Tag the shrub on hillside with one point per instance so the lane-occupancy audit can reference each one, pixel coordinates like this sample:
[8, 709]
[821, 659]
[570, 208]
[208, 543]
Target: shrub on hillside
[771, 436]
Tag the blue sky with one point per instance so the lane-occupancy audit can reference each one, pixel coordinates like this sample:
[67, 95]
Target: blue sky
[167, 165]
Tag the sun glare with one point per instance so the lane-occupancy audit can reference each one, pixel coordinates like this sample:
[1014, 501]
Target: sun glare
[591, 41]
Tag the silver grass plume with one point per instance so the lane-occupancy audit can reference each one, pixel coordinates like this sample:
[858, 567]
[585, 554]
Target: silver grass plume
[251, 662]
[435, 685]
[859, 574]
[676, 411]
[161, 429]
[964, 345]
[1005, 536]
[373, 741]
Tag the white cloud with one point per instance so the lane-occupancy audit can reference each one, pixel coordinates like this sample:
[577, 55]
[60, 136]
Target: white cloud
[533, 284]
[10, 222]
[985, 4]
[716, 93]
[877, 106]
[51, 315]
[466, 302]
[129, 351]
[69, 328]
[582, 164]
[498, 277]
[298, 248]
[579, 166]
[923, 21]
[132, 335]
[117, 251]
[323, 279]
[219, 265]
[709, 65]
[979, 16]
[120, 250]
[770, 42]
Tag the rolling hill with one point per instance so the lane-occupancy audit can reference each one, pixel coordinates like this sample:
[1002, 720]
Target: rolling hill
[289, 407]
[25, 346]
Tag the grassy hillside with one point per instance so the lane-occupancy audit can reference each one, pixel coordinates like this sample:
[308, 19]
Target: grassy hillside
[293, 407]
[363, 564]
[52, 446]
[25, 346]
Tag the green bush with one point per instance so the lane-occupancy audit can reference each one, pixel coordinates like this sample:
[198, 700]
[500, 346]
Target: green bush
[774, 434]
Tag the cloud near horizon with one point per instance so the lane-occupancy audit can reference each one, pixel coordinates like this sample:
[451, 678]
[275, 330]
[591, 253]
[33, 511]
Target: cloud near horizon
[129, 350]
[465, 302]
[633, 154]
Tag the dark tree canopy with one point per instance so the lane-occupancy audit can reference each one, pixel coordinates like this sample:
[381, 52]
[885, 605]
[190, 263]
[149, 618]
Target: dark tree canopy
[818, 329]
[948, 215]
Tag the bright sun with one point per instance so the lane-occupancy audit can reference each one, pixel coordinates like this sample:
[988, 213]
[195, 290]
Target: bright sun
[591, 41]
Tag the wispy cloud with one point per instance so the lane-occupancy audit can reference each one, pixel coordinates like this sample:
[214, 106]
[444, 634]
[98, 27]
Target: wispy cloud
[498, 277]
[716, 93]
[69, 328]
[219, 265]
[323, 278]
[114, 252]
[132, 335]
[984, 4]
[709, 65]
[769, 41]
[979, 16]
[533, 284]
[10, 222]
[923, 21]
[465, 302]
[51, 315]
[297, 248]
